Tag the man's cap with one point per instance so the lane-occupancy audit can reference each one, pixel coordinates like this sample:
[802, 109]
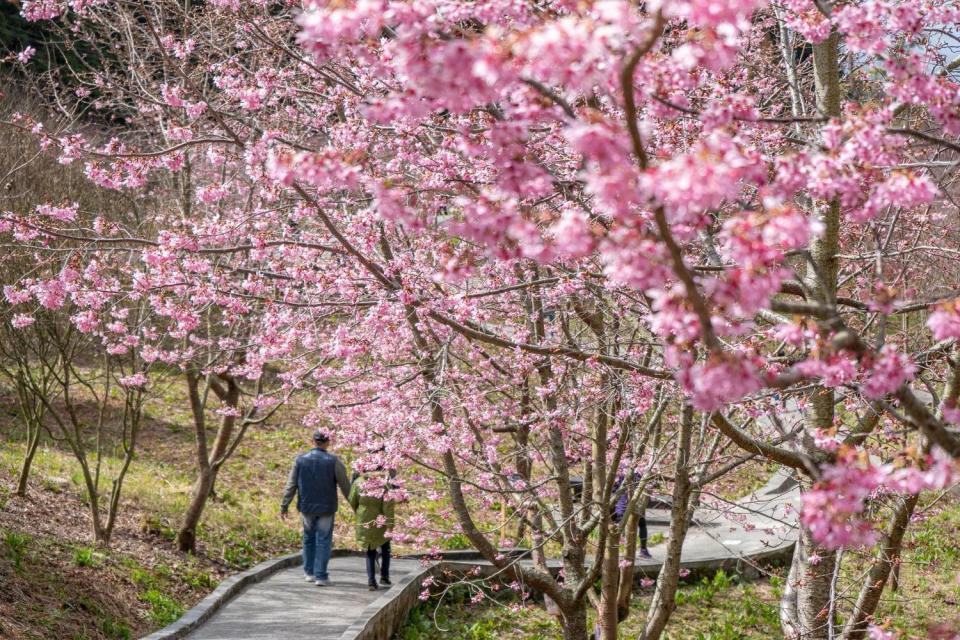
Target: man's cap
[320, 436]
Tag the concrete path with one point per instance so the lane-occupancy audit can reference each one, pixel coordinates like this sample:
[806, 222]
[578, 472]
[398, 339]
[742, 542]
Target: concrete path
[758, 525]
[762, 526]
[733, 536]
[285, 607]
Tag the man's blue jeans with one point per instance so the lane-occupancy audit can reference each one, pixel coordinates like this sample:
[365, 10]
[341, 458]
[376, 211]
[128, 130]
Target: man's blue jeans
[317, 544]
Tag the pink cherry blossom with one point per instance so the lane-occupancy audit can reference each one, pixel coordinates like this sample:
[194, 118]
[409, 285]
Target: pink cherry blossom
[879, 633]
[887, 372]
[449, 219]
[22, 320]
[65, 213]
[133, 380]
[945, 321]
[712, 384]
[832, 508]
[26, 55]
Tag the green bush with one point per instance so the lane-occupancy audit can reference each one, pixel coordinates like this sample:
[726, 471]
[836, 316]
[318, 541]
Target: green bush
[16, 545]
[115, 630]
[457, 541]
[706, 592]
[85, 557]
[163, 609]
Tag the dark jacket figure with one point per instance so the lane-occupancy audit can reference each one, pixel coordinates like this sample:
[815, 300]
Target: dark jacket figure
[620, 510]
[315, 478]
[375, 517]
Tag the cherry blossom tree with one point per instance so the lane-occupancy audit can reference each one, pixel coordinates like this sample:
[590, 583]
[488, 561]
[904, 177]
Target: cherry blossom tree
[471, 215]
[84, 387]
[36, 331]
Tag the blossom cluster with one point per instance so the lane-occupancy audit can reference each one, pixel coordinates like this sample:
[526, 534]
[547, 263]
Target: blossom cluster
[834, 510]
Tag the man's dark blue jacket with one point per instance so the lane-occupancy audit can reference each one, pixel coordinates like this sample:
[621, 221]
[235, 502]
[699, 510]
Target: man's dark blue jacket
[315, 477]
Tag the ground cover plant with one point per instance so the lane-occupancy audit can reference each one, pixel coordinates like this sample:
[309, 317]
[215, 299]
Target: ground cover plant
[726, 607]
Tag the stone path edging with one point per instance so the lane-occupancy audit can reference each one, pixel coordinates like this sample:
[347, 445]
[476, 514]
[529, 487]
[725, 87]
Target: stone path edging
[225, 592]
[383, 617]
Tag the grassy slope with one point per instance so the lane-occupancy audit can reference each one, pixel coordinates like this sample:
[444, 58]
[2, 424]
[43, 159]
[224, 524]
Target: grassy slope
[725, 609]
[54, 584]
[719, 609]
[146, 582]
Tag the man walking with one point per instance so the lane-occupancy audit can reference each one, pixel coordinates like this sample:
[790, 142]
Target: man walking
[315, 477]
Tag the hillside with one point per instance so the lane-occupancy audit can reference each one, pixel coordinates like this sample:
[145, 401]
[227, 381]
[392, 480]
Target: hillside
[54, 583]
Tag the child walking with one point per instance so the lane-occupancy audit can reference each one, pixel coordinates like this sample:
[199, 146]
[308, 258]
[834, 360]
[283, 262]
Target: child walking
[374, 522]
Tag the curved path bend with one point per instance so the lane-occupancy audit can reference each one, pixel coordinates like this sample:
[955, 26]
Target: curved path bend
[273, 601]
[285, 607]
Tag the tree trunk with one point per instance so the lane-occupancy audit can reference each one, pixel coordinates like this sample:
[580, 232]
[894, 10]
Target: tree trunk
[33, 443]
[625, 588]
[574, 621]
[208, 464]
[814, 566]
[821, 275]
[663, 603]
[187, 535]
[789, 620]
[814, 573]
[636, 507]
[607, 617]
[101, 535]
[887, 558]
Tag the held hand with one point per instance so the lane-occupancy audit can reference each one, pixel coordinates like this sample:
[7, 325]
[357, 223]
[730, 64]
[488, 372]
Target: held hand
[284, 516]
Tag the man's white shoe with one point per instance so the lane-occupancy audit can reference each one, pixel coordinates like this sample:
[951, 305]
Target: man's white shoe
[308, 578]
[323, 583]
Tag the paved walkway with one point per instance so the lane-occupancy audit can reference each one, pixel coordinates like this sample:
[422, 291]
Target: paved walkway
[744, 533]
[763, 522]
[285, 607]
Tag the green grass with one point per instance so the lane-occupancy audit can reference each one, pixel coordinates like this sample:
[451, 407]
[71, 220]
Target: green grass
[929, 593]
[726, 608]
[86, 557]
[735, 610]
[69, 591]
[720, 608]
[105, 595]
[16, 545]
[240, 526]
[458, 618]
[115, 630]
[163, 609]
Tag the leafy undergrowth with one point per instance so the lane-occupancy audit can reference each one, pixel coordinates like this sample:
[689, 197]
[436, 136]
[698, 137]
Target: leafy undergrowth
[55, 584]
[926, 604]
[717, 609]
[53, 589]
